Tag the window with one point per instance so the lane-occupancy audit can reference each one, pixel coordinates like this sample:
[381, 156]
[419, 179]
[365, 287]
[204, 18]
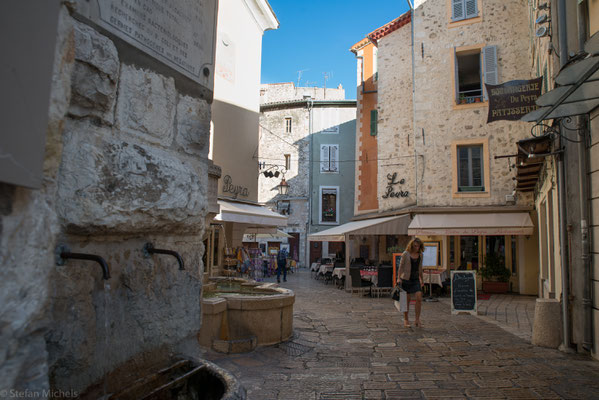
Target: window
[374, 114]
[329, 204]
[470, 165]
[470, 169]
[284, 207]
[473, 67]
[329, 158]
[288, 125]
[287, 162]
[463, 9]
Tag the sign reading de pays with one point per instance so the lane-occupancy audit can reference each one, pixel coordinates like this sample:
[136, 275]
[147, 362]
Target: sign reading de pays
[511, 100]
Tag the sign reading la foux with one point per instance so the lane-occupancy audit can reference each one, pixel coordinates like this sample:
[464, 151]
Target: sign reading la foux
[511, 100]
[178, 33]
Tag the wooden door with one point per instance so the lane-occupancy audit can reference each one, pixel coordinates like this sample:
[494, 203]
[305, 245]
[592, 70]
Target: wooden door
[294, 246]
[315, 251]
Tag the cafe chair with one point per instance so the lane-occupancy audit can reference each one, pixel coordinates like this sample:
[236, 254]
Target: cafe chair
[385, 280]
[358, 285]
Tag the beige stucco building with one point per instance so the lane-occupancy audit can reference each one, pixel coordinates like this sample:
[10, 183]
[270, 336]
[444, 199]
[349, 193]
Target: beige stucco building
[234, 130]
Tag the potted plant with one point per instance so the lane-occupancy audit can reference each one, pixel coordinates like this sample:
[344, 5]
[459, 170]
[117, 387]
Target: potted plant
[462, 99]
[495, 275]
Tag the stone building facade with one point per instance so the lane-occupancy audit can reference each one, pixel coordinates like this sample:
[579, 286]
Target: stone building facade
[432, 110]
[125, 164]
[291, 130]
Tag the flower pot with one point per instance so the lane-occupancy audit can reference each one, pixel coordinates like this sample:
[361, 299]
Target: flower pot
[495, 287]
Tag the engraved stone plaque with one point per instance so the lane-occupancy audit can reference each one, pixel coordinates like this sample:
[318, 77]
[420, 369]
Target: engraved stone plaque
[178, 33]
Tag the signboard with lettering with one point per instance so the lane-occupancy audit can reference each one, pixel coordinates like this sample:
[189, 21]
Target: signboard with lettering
[396, 260]
[463, 292]
[512, 100]
[179, 33]
[392, 190]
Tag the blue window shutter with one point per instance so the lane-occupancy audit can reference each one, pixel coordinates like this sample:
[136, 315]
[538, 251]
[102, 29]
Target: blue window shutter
[490, 66]
[373, 122]
[457, 10]
[471, 8]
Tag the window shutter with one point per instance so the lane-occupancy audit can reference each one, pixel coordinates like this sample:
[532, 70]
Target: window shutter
[490, 66]
[457, 10]
[374, 114]
[324, 158]
[471, 8]
[456, 77]
[334, 158]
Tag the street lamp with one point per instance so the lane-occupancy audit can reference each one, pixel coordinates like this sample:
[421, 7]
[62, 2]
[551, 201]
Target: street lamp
[283, 187]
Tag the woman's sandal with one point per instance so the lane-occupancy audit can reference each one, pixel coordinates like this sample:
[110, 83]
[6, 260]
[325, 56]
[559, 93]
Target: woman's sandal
[406, 324]
[418, 324]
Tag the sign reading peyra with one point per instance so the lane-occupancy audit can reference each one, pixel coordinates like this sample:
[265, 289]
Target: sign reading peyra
[178, 33]
[512, 100]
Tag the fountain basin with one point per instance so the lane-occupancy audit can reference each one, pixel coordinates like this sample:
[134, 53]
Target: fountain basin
[244, 314]
[184, 379]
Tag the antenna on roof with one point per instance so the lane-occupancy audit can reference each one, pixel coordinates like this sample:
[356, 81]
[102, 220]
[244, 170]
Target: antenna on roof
[299, 76]
[326, 76]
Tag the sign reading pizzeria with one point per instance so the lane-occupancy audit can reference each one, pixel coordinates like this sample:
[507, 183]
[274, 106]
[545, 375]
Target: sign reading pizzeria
[511, 100]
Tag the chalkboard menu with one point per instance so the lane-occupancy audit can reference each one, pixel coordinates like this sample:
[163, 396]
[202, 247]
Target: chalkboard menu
[463, 292]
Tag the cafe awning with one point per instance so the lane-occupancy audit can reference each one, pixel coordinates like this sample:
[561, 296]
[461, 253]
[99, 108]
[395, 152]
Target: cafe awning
[249, 214]
[471, 224]
[395, 225]
[578, 90]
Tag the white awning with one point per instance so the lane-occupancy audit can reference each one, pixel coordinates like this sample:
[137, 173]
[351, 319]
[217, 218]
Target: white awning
[471, 224]
[249, 214]
[396, 225]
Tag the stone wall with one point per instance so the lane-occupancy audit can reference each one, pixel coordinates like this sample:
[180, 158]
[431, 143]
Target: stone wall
[395, 138]
[417, 142]
[275, 92]
[274, 144]
[126, 163]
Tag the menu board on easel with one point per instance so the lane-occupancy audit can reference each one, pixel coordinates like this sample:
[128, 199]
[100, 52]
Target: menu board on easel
[430, 255]
[463, 292]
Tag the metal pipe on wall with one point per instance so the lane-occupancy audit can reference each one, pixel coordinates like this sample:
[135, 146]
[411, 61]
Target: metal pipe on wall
[565, 270]
[583, 187]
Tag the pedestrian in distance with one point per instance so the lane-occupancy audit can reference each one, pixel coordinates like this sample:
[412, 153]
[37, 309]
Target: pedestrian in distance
[410, 278]
[282, 265]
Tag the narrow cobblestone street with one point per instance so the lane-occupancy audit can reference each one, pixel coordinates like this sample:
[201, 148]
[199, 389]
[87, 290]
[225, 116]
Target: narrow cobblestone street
[351, 347]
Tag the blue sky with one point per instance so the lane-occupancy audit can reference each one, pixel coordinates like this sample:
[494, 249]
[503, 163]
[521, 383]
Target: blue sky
[315, 36]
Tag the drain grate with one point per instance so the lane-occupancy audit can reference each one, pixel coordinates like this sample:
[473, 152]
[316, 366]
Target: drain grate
[294, 349]
[340, 396]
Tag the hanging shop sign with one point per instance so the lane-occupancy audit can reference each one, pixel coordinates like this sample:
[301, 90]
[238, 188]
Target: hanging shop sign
[512, 100]
[235, 190]
[391, 190]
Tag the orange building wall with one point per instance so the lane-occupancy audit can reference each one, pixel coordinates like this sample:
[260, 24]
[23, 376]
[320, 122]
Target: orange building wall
[367, 144]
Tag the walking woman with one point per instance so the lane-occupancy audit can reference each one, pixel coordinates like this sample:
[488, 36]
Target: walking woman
[410, 278]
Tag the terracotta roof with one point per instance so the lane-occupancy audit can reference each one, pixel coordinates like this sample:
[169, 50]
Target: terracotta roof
[359, 45]
[392, 26]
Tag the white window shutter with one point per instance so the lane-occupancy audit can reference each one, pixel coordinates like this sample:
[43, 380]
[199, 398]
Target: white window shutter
[490, 65]
[471, 8]
[457, 10]
[324, 158]
[334, 162]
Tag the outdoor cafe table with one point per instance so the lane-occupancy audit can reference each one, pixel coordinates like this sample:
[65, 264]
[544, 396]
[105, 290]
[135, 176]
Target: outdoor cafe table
[339, 272]
[314, 267]
[324, 268]
[370, 275]
[435, 276]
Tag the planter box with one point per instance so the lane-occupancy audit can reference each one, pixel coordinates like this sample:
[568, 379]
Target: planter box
[496, 287]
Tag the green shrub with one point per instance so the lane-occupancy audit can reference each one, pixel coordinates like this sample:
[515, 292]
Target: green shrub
[494, 268]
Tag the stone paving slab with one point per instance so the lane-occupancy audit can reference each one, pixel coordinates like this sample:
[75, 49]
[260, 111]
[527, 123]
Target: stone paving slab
[352, 347]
